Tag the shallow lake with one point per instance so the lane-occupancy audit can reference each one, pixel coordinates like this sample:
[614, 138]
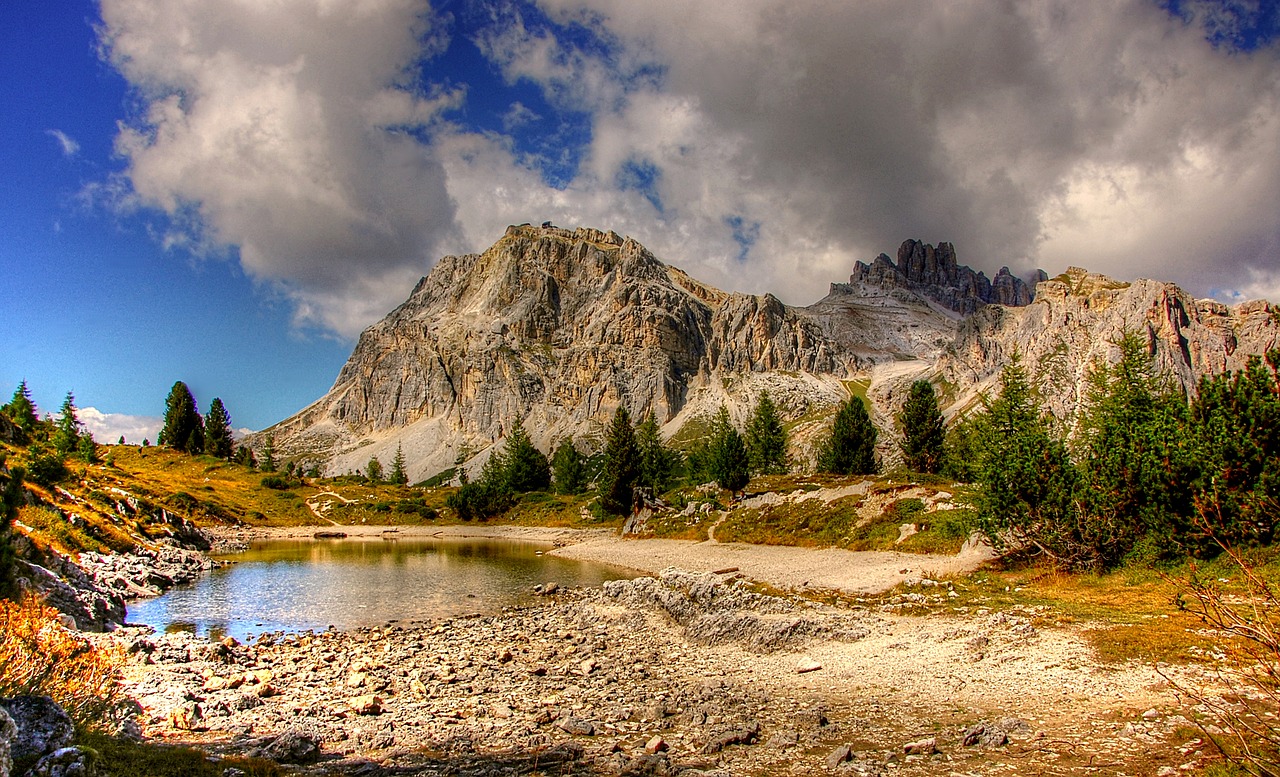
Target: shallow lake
[296, 585]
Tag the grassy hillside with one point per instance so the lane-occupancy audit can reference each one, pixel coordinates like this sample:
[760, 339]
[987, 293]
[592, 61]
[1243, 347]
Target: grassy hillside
[137, 495]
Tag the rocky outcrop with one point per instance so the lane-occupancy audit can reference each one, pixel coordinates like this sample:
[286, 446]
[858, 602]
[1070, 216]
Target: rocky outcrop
[145, 572]
[41, 727]
[66, 588]
[557, 328]
[934, 273]
[91, 591]
[1077, 318]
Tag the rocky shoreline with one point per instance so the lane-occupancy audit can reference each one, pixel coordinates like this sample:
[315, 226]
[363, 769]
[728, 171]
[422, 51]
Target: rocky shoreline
[92, 590]
[684, 673]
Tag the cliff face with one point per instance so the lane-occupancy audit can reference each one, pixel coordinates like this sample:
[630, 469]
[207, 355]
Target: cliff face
[933, 273]
[1077, 318]
[558, 328]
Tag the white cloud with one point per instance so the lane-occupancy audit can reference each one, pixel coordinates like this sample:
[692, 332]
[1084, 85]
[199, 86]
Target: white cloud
[1048, 133]
[287, 130]
[65, 142]
[782, 141]
[107, 428]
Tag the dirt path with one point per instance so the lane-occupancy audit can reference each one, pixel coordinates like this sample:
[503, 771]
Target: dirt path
[315, 510]
[784, 567]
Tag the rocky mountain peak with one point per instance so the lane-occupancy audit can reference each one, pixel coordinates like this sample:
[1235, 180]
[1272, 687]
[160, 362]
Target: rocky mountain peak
[934, 273]
[556, 328]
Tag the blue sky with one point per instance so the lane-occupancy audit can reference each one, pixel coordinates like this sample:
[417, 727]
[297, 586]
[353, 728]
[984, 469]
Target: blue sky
[226, 192]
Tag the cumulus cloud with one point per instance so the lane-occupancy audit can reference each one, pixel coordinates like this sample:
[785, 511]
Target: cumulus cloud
[291, 131]
[763, 147]
[108, 428]
[68, 145]
[1047, 133]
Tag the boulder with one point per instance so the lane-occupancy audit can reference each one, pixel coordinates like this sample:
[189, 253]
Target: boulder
[67, 762]
[927, 746]
[369, 704]
[293, 747]
[42, 726]
[8, 732]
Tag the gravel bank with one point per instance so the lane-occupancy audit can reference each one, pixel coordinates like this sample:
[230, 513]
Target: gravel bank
[687, 673]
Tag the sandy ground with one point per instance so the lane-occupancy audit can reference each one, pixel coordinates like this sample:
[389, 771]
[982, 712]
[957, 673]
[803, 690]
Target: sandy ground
[784, 567]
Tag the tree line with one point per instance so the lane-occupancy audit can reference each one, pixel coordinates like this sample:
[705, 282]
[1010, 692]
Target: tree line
[635, 457]
[1147, 473]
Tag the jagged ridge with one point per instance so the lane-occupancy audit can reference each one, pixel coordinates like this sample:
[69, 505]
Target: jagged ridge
[557, 328]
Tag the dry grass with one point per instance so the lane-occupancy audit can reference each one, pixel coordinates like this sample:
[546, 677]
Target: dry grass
[1127, 615]
[38, 656]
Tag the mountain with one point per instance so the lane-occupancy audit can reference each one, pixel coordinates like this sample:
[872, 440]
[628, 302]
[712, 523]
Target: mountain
[557, 328]
[1078, 316]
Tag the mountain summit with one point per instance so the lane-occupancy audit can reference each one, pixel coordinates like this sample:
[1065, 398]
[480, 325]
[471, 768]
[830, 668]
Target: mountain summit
[556, 328]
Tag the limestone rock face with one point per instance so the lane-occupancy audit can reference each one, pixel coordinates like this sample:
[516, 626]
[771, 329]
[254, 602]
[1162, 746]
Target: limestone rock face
[934, 273]
[557, 328]
[1078, 316]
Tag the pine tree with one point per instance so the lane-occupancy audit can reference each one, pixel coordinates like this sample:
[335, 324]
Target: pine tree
[850, 449]
[66, 435]
[21, 410]
[87, 449]
[657, 461]
[373, 470]
[766, 439]
[1028, 481]
[244, 457]
[568, 472]
[268, 462]
[621, 465]
[1236, 427]
[10, 500]
[923, 434]
[398, 475]
[526, 466]
[729, 462]
[217, 431]
[183, 428]
[1137, 464]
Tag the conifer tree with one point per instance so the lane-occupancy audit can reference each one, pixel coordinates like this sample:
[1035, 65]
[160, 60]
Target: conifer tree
[183, 428]
[217, 431]
[621, 465]
[526, 466]
[657, 461]
[729, 462]
[87, 449]
[398, 475]
[567, 469]
[21, 410]
[1236, 424]
[244, 457]
[66, 435]
[373, 470]
[268, 461]
[1028, 481]
[850, 449]
[923, 434]
[766, 438]
[1137, 468]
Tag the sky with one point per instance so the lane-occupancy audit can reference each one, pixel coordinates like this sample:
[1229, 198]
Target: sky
[226, 192]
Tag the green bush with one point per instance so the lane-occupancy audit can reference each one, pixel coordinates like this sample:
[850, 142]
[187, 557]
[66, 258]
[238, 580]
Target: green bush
[46, 468]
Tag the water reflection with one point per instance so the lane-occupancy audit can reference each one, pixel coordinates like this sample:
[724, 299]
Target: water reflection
[295, 585]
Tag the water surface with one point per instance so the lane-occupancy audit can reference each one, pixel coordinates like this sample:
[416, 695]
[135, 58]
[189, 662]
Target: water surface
[296, 585]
